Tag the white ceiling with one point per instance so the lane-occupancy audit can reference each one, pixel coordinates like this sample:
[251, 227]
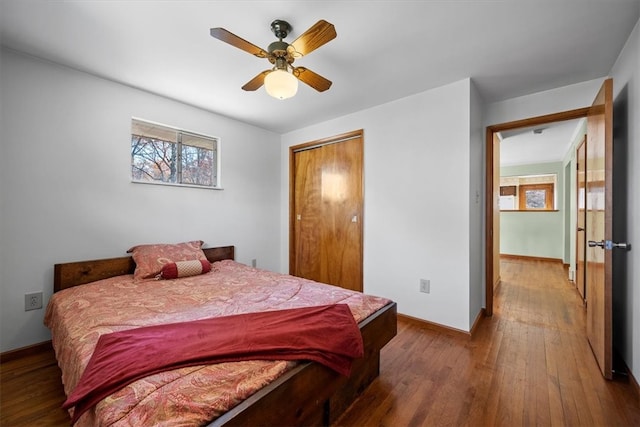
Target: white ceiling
[523, 146]
[384, 50]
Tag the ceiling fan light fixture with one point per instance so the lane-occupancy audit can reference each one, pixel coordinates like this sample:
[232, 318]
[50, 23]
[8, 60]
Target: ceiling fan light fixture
[281, 84]
[281, 81]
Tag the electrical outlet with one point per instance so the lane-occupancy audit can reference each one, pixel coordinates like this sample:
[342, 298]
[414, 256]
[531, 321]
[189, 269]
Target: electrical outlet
[33, 301]
[425, 286]
[254, 262]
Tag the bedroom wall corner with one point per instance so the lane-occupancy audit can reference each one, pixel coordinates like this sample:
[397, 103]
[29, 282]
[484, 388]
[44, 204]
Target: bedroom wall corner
[416, 224]
[66, 194]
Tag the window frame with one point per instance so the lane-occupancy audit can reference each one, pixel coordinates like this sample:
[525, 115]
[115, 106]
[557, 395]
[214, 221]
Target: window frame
[179, 134]
[549, 196]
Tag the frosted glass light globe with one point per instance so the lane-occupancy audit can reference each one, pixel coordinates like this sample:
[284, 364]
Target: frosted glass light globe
[281, 84]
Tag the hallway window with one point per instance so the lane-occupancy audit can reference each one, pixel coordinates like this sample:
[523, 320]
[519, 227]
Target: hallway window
[536, 197]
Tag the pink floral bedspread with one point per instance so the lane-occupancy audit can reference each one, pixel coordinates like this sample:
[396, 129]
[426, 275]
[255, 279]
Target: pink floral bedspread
[188, 396]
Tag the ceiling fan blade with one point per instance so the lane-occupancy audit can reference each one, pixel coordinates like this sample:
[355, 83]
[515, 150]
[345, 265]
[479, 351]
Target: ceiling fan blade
[240, 43]
[256, 82]
[320, 33]
[314, 80]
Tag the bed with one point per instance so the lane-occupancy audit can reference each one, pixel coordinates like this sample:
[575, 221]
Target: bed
[293, 393]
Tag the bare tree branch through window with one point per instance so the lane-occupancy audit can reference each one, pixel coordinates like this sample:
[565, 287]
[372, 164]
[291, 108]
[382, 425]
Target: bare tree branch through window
[162, 154]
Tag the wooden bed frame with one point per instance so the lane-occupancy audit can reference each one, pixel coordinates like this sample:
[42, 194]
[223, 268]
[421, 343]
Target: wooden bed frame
[309, 395]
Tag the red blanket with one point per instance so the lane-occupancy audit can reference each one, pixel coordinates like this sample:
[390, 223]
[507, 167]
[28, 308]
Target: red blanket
[325, 334]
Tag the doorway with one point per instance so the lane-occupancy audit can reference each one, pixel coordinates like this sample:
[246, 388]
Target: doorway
[493, 191]
[599, 195]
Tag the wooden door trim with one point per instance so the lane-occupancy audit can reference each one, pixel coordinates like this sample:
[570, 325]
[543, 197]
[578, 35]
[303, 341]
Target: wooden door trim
[306, 146]
[489, 169]
[581, 144]
[326, 141]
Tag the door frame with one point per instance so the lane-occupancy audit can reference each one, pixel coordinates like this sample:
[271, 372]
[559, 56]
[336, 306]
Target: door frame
[490, 195]
[583, 291]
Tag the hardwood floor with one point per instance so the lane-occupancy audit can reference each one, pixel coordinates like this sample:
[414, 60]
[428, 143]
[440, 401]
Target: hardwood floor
[530, 364]
[31, 392]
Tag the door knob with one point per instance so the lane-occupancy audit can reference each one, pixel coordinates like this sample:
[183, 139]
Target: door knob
[580, 229]
[609, 245]
[593, 244]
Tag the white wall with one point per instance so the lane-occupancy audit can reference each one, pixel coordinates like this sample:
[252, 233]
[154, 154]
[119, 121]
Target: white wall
[417, 211]
[565, 98]
[476, 208]
[65, 190]
[535, 234]
[626, 294]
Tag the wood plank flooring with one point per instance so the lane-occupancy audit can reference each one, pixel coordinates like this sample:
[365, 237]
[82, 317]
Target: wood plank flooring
[31, 392]
[529, 364]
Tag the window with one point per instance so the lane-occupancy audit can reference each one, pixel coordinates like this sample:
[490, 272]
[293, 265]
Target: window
[165, 155]
[536, 197]
[528, 192]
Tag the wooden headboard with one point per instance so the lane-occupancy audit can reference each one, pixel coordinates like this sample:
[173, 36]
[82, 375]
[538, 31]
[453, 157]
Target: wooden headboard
[70, 274]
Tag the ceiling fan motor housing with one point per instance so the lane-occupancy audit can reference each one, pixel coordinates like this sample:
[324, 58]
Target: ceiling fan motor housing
[279, 54]
[278, 48]
[280, 28]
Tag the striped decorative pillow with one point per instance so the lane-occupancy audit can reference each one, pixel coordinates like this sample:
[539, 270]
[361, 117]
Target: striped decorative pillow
[178, 269]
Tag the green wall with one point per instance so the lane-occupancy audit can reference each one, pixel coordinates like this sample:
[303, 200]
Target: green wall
[535, 234]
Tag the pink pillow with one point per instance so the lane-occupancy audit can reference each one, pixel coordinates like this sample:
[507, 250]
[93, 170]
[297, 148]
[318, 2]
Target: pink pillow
[150, 259]
[174, 270]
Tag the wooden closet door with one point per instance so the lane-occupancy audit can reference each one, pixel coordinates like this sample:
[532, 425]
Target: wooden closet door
[327, 213]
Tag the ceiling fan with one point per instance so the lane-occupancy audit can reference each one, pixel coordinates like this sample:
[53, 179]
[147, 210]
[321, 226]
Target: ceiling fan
[281, 81]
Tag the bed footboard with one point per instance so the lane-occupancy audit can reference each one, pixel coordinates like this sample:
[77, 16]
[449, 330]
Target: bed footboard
[311, 394]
